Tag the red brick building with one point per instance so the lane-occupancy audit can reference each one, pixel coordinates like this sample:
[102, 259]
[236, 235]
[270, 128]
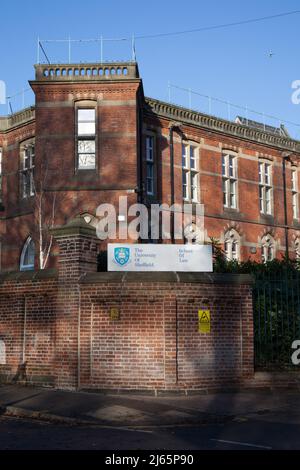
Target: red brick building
[93, 136]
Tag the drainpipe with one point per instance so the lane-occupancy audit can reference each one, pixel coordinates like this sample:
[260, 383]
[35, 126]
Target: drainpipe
[78, 339]
[24, 331]
[141, 185]
[172, 182]
[285, 158]
[173, 126]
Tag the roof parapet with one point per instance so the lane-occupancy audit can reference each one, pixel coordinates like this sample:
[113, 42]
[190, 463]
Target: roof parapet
[16, 119]
[212, 123]
[87, 72]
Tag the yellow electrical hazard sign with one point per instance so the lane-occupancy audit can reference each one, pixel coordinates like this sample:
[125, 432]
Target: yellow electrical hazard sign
[204, 321]
[114, 314]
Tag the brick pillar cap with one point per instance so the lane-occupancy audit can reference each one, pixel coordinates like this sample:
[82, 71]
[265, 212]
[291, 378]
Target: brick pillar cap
[74, 227]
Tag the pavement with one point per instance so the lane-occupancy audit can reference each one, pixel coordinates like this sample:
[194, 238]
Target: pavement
[140, 410]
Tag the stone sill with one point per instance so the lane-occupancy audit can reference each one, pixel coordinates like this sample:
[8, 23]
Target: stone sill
[28, 275]
[171, 277]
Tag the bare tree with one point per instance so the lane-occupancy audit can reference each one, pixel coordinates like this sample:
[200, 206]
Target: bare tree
[44, 224]
[44, 205]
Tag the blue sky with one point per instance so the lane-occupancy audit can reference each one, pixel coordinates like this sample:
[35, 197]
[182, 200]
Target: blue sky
[232, 63]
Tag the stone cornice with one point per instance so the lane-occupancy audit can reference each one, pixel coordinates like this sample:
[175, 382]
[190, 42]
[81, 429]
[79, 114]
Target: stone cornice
[75, 92]
[214, 124]
[74, 228]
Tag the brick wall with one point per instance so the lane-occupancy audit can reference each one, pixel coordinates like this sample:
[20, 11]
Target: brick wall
[77, 328]
[28, 327]
[155, 343]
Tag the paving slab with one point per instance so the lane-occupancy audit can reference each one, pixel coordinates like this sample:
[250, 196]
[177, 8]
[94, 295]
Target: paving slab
[140, 410]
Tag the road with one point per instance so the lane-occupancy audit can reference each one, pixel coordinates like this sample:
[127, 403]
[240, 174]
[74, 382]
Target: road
[244, 434]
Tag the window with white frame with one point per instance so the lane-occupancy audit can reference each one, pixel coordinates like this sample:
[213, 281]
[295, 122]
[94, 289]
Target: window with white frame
[232, 245]
[27, 255]
[190, 173]
[265, 188]
[27, 169]
[229, 181]
[297, 248]
[150, 165]
[295, 195]
[86, 138]
[268, 251]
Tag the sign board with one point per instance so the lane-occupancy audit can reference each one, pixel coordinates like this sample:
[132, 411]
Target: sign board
[204, 321]
[151, 257]
[114, 314]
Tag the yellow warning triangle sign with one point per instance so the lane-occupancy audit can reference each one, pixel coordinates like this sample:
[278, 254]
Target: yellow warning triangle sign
[204, 321]
[204, 318]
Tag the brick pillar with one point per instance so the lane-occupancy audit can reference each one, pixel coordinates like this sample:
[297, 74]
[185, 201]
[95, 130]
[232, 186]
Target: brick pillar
[78, 250]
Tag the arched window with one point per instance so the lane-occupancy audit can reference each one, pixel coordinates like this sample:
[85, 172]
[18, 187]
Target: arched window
[268, 250]
[232, 245]
[27, 255]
